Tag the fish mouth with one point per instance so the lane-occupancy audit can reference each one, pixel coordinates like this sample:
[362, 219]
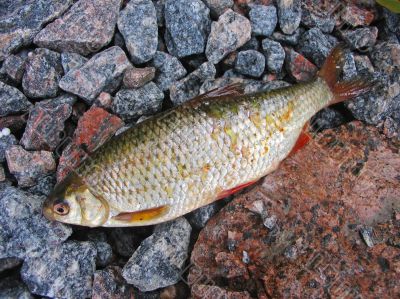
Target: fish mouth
[47, 210]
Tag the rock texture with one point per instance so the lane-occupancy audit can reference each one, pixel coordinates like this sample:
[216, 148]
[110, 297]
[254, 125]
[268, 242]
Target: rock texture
[228, 34]
[274, 55]
[137, 77]
[250, 63]
[289, 15]
[12, 101]
[137, 23]
[159, 260]
[130, 104]
[46, 123]
[24, 231]
[86, 27]
[21, 20]
[64, 271]
[71, 61]
[169, 70]
[109, 284]
[187, 24]
[313, 247]
[96, 75]
[263, 19]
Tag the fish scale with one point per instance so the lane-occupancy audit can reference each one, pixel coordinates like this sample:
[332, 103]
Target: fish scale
[176, 147]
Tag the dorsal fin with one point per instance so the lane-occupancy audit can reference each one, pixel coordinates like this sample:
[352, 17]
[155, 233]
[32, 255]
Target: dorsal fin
[234, 89]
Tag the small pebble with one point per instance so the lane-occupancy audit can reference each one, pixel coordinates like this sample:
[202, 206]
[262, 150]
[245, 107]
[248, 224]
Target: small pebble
[274, 54]
[251, 63]
[263, 19]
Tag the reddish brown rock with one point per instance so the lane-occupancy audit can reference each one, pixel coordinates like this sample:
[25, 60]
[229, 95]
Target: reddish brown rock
[137, 77]
[94, 128]
[328, 201]
[299, 67]
[28, 167]
[207, 291]
[109, 284]
[357, 16]
[46, 123]
[104, 100]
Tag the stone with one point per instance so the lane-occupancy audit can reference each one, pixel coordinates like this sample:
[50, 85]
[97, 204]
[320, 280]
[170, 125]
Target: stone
[218, 7]
[63, 271]
[124, 240]
[160, 8]
[363, 63]
[130, 104]
[159, 259]
[42, 74]
[169, 70]
[9, 263]
[104, 100]
[104, 254]
[361, 39]
[14, 67]
[28, 167]
[327, 118]
[109, 284]
[250, 63]
[198, 218]
[11, 287]
[14, 122]
[137, 23]
[21, 20]
[299, 67]
[263, 19]
[97, 75]
[274, 55]
[189, 86]
[349, 67]
[187, 24]
[71, 61]
[315, 46]
[5, 143]
[46, 123]
[228, 34]
[200, 291]
[252, 44]
[87, 27]
[94, 128]
[356, 15]
[24, 230]
[290, 40]
[329, 222]
[137, 77]
[316, 14]
[289, 15]
[12, 101]
[386, 57]
[44, 185]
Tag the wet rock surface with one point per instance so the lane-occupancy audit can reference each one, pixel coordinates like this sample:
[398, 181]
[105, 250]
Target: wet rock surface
[85, 28]
[159, 259]
[314, 242]
[138, 25]
[187, 24]
[44, 129]
[21, 20]
[42, 74]
[98, 74]
[64, 271]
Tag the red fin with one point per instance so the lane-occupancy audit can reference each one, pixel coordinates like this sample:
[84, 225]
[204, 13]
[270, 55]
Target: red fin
[234, 89]
[345, 90]
[143, 215]
[226, 193]
[303, 140]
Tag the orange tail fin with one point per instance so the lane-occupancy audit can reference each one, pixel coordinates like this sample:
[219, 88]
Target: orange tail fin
[343, 90]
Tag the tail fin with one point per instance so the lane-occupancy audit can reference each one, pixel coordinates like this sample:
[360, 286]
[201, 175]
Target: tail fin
[343, 90]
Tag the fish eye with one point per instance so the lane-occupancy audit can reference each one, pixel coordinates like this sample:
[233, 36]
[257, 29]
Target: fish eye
[61, 208]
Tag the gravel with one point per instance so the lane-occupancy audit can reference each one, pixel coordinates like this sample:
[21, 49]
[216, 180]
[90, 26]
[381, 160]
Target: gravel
[169, 70]
[137, 77]
[263, 19]
[289, 15]
[274, 55]
[137, 23]
[5, 143]
[14, 67]
[250, 63]
[71, 61]
[12, 101]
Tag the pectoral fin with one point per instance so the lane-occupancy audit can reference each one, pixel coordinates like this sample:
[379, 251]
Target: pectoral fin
[143, 215]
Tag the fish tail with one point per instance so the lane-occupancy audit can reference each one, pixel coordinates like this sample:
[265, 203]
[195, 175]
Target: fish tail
[342, 90]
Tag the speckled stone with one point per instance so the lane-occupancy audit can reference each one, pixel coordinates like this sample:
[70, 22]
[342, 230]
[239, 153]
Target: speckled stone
[63, 271]
[97, 75]
[169, 70]
[289, 15]
[218, 7]
[86, 27]
[24, 231]
[137, 77]
[137, 23]
[315, 15]
[21, 20]
[14, 67]
[274, 54]
[187, 24]
[71, 61]
[228, 34]
[159, 259]
[386, 57]
[250, 63]
[298, 67]
[198, 218]
[28, 167]
[130, 104]
[189, 86]
[326, 119]
[263, 19]
[42, 74]
[109, 284]
[46, 123]
[5, 143]
[361, 38]
[12, 288]
[285, 39]
[9, 263]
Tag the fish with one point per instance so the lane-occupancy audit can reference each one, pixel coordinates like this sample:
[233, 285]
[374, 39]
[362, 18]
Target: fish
[393, 5]
[196, 153]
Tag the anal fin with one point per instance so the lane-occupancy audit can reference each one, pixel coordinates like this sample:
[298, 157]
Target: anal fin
[303, 140]
[228, 192]
[143, 215]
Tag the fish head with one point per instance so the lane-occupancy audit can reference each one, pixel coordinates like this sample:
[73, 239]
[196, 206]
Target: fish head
[73, 202]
